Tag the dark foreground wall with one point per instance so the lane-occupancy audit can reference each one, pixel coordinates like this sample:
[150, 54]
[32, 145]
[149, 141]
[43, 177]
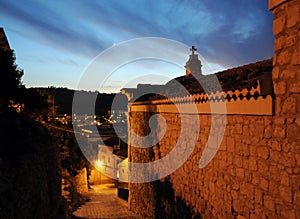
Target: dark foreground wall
[30, 181]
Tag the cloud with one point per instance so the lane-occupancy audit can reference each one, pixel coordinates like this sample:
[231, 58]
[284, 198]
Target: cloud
[229, 33]
[245, 34]
[52, 28]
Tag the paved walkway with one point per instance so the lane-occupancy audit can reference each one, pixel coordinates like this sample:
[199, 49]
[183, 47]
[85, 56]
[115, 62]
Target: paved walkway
[104, 203]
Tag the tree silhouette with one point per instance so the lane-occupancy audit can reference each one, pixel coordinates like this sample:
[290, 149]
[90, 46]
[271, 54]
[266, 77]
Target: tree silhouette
[13, 94]
[10, 79]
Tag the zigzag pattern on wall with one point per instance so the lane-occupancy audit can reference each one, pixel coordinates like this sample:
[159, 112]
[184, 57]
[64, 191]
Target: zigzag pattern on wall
[246, 101]
[228, 96]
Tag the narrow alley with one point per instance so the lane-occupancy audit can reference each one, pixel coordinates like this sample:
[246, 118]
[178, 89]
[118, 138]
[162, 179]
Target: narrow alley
[104, 203]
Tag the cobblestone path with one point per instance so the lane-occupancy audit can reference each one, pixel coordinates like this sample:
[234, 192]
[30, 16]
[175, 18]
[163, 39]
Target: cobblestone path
[104, 203]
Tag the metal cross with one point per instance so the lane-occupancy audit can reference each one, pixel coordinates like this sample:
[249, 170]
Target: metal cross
[193, 49]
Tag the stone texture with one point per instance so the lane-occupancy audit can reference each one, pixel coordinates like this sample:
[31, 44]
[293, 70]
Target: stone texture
[275, 3]
[278, 25]
[257, 170]
[280, 88]
[295, 87]
[104, 203]
[289, 105]
[292, 15]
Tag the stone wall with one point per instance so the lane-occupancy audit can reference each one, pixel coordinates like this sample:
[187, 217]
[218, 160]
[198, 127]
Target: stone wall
[256, 171]
[73, 166]
[81, 181]
[254, 174]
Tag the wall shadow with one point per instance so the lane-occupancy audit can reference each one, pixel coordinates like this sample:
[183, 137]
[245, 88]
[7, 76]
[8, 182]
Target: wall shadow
[168, 205]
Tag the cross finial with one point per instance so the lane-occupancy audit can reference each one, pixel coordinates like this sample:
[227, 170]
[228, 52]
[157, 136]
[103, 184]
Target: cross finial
[193, 49]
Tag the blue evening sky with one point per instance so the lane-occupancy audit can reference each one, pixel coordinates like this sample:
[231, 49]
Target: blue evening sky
[55, 41]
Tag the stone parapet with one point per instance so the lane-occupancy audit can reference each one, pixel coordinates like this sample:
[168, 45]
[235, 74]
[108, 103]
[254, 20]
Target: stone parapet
[275, 3]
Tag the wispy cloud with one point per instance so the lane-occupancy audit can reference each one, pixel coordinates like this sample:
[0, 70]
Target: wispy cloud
[227, 33]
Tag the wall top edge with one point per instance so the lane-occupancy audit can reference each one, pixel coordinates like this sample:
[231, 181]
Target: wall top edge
[275, 3]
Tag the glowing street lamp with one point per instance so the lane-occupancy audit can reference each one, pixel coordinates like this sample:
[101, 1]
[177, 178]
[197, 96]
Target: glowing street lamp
[99, 164]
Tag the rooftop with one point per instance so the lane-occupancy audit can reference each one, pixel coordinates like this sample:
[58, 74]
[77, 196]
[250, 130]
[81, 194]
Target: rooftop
[238, 78]
[3, 40]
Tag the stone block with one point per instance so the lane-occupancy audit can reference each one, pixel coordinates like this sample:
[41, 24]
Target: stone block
[279, 121]
[289, 105]
[290, 120]
[296, 57]
[230, 144]
[235, 185]
[295, 87]
[245, 130]
[293, 15]
[223, 146]
[286, 194]
[263, 152]
[255, 180]
[234, 194]
[275, 145]
[254, 216]
[240, 172]
[278, 25]
[284, 57]
[284, 178]
[264, 184]
[296, 200]
[258, 196]
[278, 105]
[297, 157]
[273, 188]
[262, 166]
[275, 73]
[252, 164]
[247, 189]
[296, 120]
[275, 157]
[237, 206]
[287, 74]
[246, 139]
[268, 132]
[293, 132]
[280, 88]
[237, 129]
[290, 40]
[238, 161]
[274, 62]
[269, 203]
[253, 150]
[248, 176]
[245, 163]
[279, 132]
[254, 140]
[288, 213]
[279, 43]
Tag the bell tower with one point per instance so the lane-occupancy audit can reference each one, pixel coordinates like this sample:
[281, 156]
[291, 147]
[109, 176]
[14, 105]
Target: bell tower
[193, 65]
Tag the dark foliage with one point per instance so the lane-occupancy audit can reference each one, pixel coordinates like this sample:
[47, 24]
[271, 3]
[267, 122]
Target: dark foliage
[13, 93]
[10, 78]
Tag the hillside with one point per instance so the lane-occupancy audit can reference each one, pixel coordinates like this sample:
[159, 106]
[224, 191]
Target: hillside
[63, 99]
